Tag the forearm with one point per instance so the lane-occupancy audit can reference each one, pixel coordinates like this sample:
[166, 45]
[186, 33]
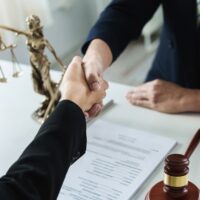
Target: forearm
[191, 100]
[40, 171]
[121, 22]
[98, 52]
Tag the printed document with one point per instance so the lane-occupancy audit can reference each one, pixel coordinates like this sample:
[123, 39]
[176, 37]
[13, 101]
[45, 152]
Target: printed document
[117, 162]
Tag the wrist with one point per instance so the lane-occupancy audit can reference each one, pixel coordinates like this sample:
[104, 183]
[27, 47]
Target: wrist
[73, 99]
[94, 59]
[99, 51]
[191, 100]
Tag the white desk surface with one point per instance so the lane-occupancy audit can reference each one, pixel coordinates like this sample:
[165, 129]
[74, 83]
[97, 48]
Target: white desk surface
[17, 129]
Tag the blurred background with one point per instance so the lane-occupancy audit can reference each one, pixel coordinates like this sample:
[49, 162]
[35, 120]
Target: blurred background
[66, 25]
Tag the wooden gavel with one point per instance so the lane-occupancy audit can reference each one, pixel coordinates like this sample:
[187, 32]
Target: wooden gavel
[176, 185]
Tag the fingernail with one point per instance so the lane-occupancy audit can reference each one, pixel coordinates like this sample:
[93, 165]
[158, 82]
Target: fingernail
[97, 108]
[95, 86]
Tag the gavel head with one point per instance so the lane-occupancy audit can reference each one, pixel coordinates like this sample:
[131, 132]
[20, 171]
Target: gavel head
[176, 175]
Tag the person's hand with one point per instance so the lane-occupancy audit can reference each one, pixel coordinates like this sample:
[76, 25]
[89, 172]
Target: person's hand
[93, 72]
[94, 75]
[97, 59]
[75, 87]
[159, 95]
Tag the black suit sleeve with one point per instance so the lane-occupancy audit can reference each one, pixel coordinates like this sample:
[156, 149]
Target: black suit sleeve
[39, 173]
[121, 22]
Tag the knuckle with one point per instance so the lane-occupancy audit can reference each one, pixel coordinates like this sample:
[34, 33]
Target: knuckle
[136, 102]
[155, 89]
[156, 82]
[102, 94]
[92, 77]
[92, 112]
[105, 85]
[77, 59]
[73, 64]
[89, 65]
[154, 98]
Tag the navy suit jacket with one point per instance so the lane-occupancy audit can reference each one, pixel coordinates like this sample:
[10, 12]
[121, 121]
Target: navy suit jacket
[178, 55]
[39, 172]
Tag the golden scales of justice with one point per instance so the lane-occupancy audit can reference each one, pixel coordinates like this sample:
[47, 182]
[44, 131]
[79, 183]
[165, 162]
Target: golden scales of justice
[17, 71]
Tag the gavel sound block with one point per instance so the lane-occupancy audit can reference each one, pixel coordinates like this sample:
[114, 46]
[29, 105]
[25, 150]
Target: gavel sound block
[176, 185]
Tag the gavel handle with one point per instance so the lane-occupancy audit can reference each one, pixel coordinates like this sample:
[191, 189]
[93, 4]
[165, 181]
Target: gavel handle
[193, 144]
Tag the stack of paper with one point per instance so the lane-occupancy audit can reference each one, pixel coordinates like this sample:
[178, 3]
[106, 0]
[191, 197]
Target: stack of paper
[117, 162]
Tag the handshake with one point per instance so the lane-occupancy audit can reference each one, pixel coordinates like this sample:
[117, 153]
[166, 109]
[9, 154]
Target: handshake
[88, 96]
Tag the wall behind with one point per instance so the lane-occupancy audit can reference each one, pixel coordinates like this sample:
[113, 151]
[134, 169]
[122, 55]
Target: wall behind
[68, 31]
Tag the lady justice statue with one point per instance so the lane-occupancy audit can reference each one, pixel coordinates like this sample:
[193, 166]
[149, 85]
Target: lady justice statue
[42, 82]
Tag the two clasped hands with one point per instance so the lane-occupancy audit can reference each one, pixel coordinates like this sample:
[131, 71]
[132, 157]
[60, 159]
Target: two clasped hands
[76, 88]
